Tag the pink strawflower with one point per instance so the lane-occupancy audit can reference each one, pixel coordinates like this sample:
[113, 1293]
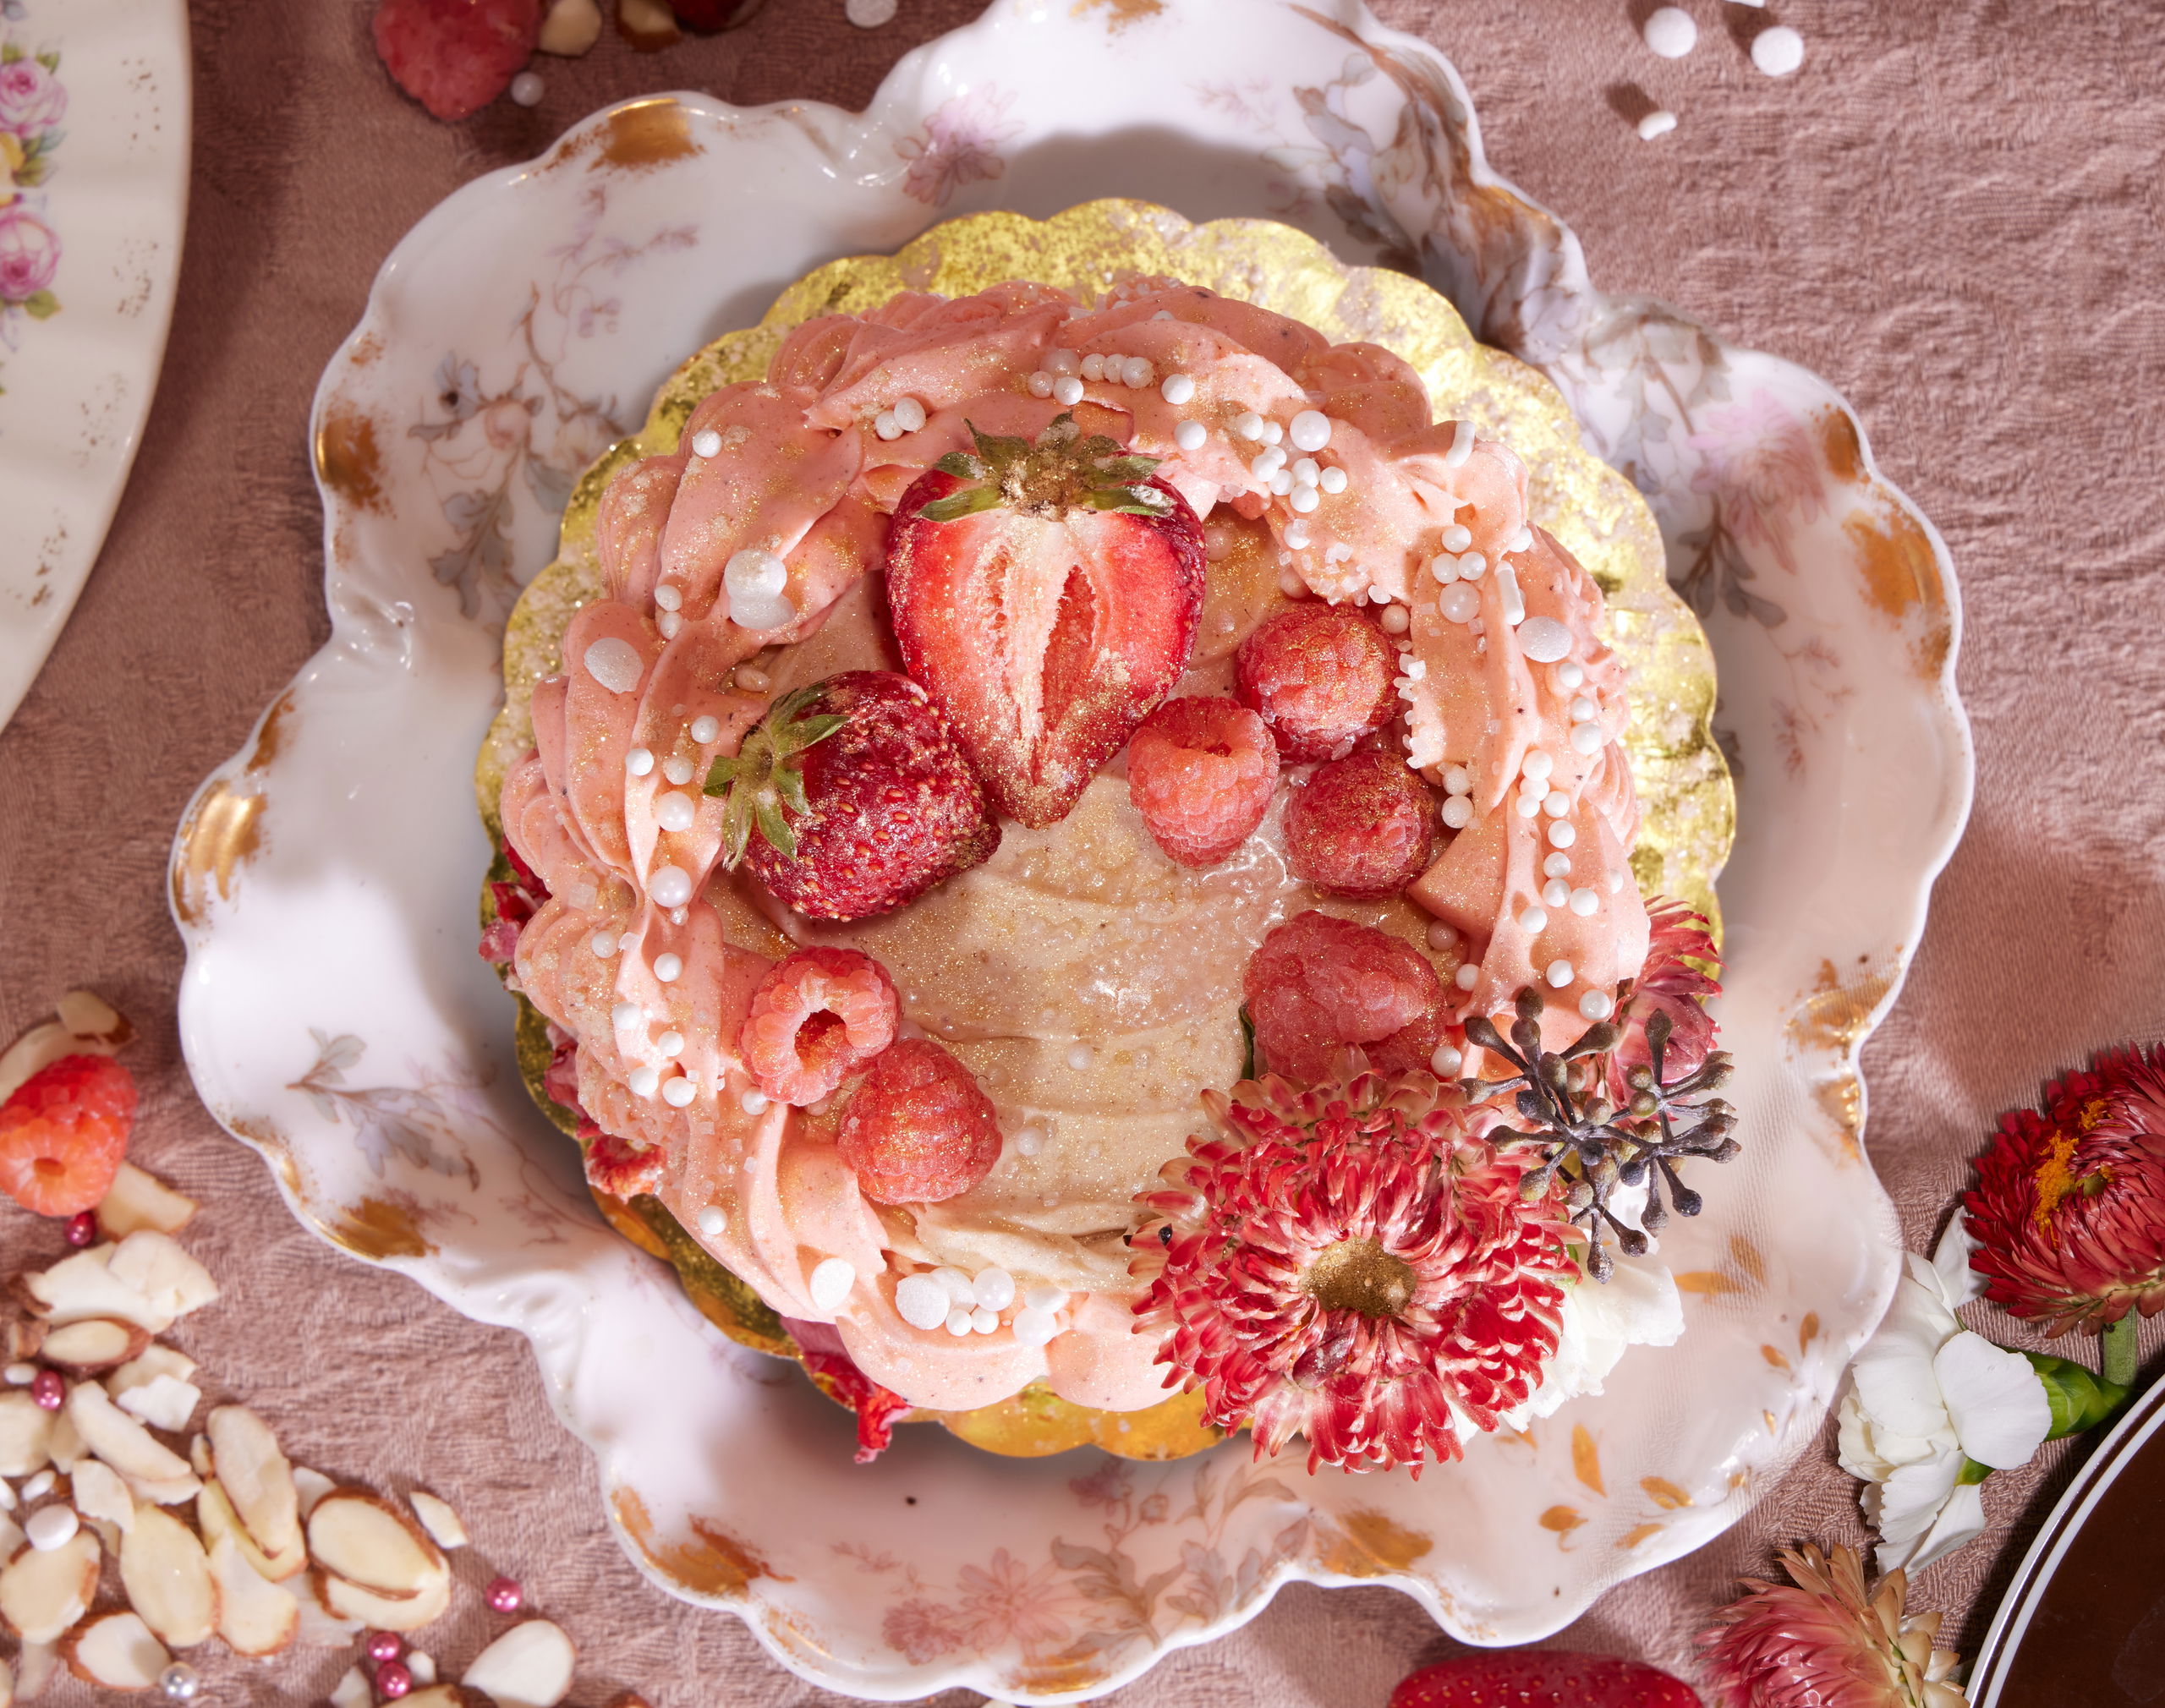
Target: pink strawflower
[1819, 1641]
[1668, 982]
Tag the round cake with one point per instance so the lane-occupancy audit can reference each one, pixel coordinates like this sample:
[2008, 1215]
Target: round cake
[1074, 868]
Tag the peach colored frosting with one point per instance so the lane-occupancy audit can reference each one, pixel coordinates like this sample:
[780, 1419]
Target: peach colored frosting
[1090, 984]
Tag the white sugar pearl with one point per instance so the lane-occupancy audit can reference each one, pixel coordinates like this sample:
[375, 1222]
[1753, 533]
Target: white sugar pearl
[1396, 619]
[1586, 738]
[1529, 805]
[675, 812]
[909, 414]
[51, 1527]
[1556, 866]
[705, 729]
[625, 1016]
[1670, 32]
[1521, 541]
[1289, 581]
[985, 1321]
[678, 769]
[1094, 367]
[1597, 1005]
[643, 1079]
[668, 597]
[706, 442]
[669, 622]
[960, 1290]
[1303, 499]
[1457, 537]
[1041, 384]
[958, 1320]
[830, 1282]
[754, 572]
[1543, 639]
[995, 1289]
[639, 761]
[1136, 372]
[1558, 974]
[1081, 1058]
[753, 1103]
[1458, 811]
[670, 1043]
[1467, 977]
[710, 1222]
[1281, 483]
[1190, 435]
[885, 426]
[1249, 425]
[39, 1487]
[1458, 781]
[1777, 51]
[1460, 603]
[1306, 470]
[527, 89]
[1583, 708]
[1176, 389]
[1034, 1328]
[921, 1301]
[1296, 536]
[1447, 1061]
[1311, 430]
[1332, 479]
[1471, 565]
[1584, 902]
[1067, 389]
[678, 1092]
[753, 681]
[1046, 1298]
[1272, 433]
[1556, 804]
[1265, 464]
[1444, 568]
[1561, 834]
[1534, 921]
[1658, 122]
[670, 886]
[1556, 892]
[1029, 1142]
[668, 967]
[1442, 936]
[1571, 677]
[614, 662]
[1538, 764]
[604, 944]
[1060, 362]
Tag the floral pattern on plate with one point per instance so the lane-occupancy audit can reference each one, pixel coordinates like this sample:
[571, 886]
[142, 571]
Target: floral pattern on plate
[33, 102]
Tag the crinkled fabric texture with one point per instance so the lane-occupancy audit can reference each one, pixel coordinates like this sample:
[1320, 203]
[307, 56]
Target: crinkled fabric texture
[1937, 213]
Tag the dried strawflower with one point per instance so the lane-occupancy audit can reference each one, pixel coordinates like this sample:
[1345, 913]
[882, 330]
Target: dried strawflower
[1819, 1641]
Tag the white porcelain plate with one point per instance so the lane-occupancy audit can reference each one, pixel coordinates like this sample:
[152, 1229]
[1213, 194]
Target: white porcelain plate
[337, 1017]
[94, 134]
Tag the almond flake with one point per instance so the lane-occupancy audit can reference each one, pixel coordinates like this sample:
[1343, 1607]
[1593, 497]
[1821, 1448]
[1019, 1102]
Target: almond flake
[448, 1696]
[66, 1448]
[84, 1285]
[34, 1669]
[44, 1591]
[385, 1613]
[353, 1690]
[119, 1439]
[25, 1434]
[137, 1200]
[310, 1486]
[96, 1025]
[321, 1629]
[256, 1477]
[363, 1539]
[167, 1578]
[256, 1618]
[154, 1361]
[529, 1666]
[91, 1345]
[437, 1519]
[215, 1517]
[117, 1651]
[162, 1403]
[155, 1266]
[100, 1494]
[11, 1537]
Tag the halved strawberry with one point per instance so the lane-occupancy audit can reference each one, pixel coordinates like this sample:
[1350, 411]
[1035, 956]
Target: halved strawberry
[1542, 1679]
[1047, 596]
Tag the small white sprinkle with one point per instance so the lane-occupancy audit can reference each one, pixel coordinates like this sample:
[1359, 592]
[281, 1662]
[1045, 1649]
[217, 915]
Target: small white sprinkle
[1597, 1005]
[1507, 584]
[1176, 388]
[678, 769]
[1571, 677]
[668, 967]
[1556, 804]
[614, 662]
[1559, 973]
[885, 426]
[1272, 433]
[1658, 122]
[1543, 639]
[1029, 1142]
[1303, 499]
[1266, 463]
[1442, 936]
[1670, 32]
[1163, 314]
[643, 1079]
[1561, 834]
[1249, 425]
[1538, 764]
[1457, 537]
[958, 1320]
[20, 1374]
[1521, 541]
[1777, 51]
[1041, 384]
[1461, 446]
[1306, 471]
[706, 442]
[670, 1043]
[753, 1103]
[670, 886]
[830, 1282]
[51, 1527]
[957, 1283]
[909, 414]
[1062, 362]
[1555, 892]
[1034, 1328]
[675, 812]
[1458, 811]
[1332, 479]
[668, 597]
[625, 1016]
[1068, 390]
[705, 729]
[1583, 710]
[604, 944]
[1556, 866]
[1094, 367]
[753, 681]
[1045, 1297]
[1297, 535]
[870, 15]
[39, 1487]
[678, 1091]
[1529, 805]
[1444, 567]
[527, 89]
[1534, 921]
[1471, 565]
[1584, 902]
[638, 762]
[1281, 483]
[1136, 372]
[985, 1321]
[1447, 1061]
[669, 622]
[1467, 977]
[1586, 738]
[1311, 430]
[1460, 603]
[1081, 1058]
[1289, 581]
[921, 1301]
[1396, 619]
[993, 1289]
[710, 1222]
[1458, 781]
[1190, 435]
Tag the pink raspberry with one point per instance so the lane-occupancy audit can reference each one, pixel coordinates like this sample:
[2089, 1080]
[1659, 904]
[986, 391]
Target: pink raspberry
[1200, 772]
[455, 56]
[1364, 827]
[1321, 675]
[919, 1128]
[623, 1168]
[817, 1017]
[1317, 984]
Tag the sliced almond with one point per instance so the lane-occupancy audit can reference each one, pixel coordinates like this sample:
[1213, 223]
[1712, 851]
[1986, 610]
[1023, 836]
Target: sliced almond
[449, 1696]
[437, 1519]
[386, 1612]
[147, 1366]
[93, 1021]
[91, 1345]
[118, 1439]
[256, 1477]
[25, 1433]
[25, 1335]
[66, 1448]
[155, 1266]
[34, 1669]
[310, 1486]
[422, 1665]
[163, 1403]
[214, 1514]
[117, 1651]
[199, 1455]
[101, 1494]
[44, 1591]
[571, 28]
[353, 1690]
[167, 1578]
[648, 25]
[84, 1285]
[163, 1491]
[529, 1666]
[321, 1629]
[138, 1200]
[356, 1535]
[11, 1537]
[256, 1618]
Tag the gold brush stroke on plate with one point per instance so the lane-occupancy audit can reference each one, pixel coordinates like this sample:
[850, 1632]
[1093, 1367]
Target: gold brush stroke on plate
[1683, 781]
[713, 1562]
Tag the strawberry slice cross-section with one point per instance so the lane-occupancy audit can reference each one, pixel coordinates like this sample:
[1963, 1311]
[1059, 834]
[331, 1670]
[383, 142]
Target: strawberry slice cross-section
[1046, 594]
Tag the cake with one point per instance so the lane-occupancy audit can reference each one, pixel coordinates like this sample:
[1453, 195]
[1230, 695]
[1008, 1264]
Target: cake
[1079, 866]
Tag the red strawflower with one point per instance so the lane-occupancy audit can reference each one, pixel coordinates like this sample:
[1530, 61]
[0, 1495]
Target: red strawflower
[1351, 1264]
[1823, 1644]
[829, 1364]
[2069, 1204]
[1669, 984]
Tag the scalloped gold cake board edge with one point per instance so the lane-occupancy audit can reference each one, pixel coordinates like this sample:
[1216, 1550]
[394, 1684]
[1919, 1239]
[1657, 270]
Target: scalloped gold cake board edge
[1690, 807]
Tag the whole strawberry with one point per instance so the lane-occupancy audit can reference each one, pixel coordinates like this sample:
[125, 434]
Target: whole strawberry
[1541, 1679]
[852, 798]
[1047, 594]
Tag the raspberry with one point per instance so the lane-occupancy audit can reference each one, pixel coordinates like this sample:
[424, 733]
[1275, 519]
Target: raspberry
[63, 1133]
[455, 56]
[919, 1129]
[1200, 772]
[817, 1017]
[1364, 827]
[1321, 676]
[621, 1168]
[1317, 984]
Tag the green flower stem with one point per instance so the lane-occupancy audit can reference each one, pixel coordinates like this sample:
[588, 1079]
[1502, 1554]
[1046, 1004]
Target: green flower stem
[2119, 1350]
[1972, 1472]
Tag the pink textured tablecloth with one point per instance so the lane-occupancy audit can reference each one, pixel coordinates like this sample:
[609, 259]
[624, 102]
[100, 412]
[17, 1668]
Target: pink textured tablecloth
[1953, 213]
